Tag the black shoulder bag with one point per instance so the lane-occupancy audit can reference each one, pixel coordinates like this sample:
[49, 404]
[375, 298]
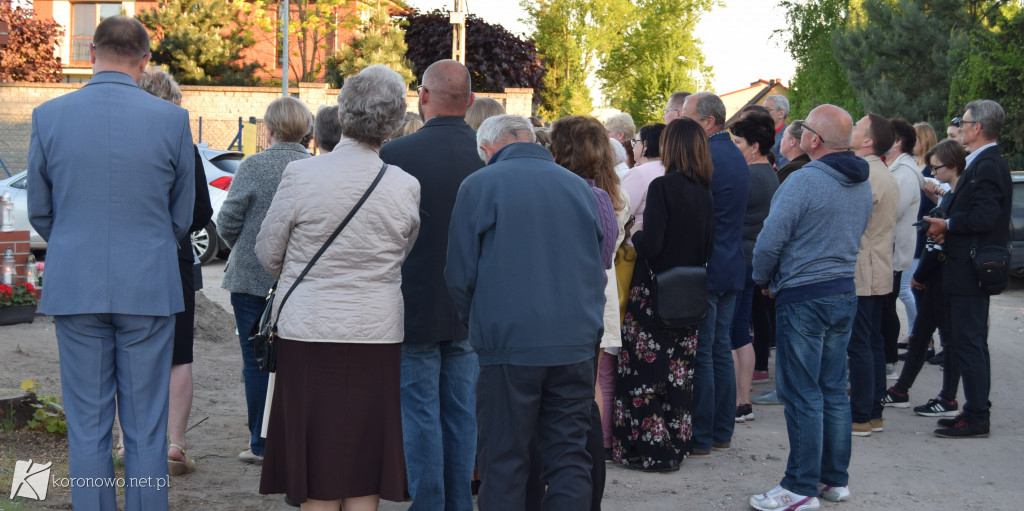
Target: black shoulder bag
[680, 294]
[263, 334]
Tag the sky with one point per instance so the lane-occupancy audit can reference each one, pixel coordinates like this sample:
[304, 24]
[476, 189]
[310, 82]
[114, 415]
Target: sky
[737, 37]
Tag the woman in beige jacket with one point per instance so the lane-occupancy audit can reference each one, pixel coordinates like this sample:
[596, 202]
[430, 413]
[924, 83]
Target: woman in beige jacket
[335, 436]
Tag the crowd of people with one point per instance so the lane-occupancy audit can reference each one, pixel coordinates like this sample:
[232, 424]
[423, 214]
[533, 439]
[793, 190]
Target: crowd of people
[489, 303]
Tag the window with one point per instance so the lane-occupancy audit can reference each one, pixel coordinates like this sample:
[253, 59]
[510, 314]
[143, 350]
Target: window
[85, 17]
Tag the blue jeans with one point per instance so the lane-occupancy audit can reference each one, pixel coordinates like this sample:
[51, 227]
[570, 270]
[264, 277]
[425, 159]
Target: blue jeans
[439, 423]
[742, 313]
[102, 355]
[810, 372]
[714, 382]
[248, 309]
[867, 360]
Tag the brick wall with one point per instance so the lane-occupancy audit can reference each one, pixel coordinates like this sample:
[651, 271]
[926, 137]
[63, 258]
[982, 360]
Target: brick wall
[219, 107]
[18, 242]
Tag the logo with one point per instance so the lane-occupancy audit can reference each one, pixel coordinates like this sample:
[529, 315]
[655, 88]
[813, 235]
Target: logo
[30, 480]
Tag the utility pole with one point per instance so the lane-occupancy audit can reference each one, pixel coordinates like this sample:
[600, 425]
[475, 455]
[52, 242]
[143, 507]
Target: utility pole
[458, 21]
[285, 14]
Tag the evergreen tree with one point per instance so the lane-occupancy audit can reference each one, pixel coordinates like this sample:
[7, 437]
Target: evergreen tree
[381, 41]
[659, 55]
[200, 42]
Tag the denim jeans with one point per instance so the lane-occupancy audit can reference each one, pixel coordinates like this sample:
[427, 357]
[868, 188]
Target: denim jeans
[248, 309]
[867, 360]
[740, 330]
[714, 382]
[810, 373]
[439, 423]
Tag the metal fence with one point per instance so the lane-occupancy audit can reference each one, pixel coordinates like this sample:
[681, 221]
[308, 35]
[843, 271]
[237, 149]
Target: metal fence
[16, 131]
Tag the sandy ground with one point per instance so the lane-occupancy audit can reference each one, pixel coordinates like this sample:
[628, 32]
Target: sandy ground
[904, 467]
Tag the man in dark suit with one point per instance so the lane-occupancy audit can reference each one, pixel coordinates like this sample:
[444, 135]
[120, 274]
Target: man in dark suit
[978, 216]
[714, 382]
[439, 367]
[112, 281]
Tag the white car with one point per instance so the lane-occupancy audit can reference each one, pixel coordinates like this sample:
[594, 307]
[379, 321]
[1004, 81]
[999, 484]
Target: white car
[219, 167]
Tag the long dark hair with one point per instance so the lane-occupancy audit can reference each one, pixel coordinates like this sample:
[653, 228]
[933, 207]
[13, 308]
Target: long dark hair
[684, 149]
[651, 136]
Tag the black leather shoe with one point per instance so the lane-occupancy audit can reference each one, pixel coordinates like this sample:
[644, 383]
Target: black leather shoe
[965, 429]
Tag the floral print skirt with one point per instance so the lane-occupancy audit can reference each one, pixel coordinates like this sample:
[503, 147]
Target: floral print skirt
[652, 421]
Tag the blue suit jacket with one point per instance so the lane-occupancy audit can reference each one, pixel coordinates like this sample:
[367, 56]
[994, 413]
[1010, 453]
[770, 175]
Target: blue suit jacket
[729, 185]
[111, 189]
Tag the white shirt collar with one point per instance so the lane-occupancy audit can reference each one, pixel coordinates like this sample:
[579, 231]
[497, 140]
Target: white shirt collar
[974, 154]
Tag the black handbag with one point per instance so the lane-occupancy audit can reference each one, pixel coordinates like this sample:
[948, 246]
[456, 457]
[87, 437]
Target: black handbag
[680, 296]
[263, 334]
[992, 266]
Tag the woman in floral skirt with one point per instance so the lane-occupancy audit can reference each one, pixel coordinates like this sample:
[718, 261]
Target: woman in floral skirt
[652, 421]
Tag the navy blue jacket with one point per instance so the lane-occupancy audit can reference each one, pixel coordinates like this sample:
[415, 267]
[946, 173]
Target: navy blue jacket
[524, 261]
[440, 155]
[729, 187]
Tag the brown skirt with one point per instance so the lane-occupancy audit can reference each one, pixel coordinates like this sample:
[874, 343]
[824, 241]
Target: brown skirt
[335, 428]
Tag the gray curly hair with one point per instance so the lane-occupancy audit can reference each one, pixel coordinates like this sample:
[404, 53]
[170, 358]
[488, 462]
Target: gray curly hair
[372, 105]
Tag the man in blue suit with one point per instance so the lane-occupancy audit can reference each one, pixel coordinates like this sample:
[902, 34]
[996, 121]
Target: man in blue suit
[111, 187]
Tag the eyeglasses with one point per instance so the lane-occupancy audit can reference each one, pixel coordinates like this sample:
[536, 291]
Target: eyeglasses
[420, 88]
[634, 141]
[937, 167]
[667, 110]
[803, 124]
[960, 121]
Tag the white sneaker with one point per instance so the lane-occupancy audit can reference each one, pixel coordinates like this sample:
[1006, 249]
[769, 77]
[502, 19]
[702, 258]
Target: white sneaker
[781, 499]
[833, 493]
[248, 457]
[891, 373]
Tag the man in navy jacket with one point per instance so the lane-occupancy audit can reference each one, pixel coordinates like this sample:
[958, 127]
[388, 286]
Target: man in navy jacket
[714, 383]
[979, 216]
[439, 367]
[524, 268]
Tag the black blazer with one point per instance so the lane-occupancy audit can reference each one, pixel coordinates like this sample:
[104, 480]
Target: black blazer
[440, 155]
[679, 221]
[979, 215]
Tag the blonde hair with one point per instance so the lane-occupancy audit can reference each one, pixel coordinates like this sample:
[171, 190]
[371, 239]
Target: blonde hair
[289, 119]
[481, 109]
[161, 84]
[926, 137]
[411, 126]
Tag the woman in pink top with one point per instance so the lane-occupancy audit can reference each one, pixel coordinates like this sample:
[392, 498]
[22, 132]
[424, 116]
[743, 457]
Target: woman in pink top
[648, 166]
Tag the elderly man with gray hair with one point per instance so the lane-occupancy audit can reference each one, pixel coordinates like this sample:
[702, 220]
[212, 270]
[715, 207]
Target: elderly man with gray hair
[778, 108]
[524, 269]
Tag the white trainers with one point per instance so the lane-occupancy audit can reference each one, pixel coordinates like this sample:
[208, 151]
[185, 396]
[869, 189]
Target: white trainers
[781, 499]
[833, 493]
[248, 457]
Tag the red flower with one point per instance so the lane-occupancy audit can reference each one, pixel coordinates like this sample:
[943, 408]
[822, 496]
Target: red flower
[30, 287]
[5, 289]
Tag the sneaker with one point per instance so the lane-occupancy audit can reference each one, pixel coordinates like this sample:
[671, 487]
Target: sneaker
[948, 423]
[771, 398]
[964, 429]
[890, 372]
[833, 493]
[781, 499]
[248, 457]
[937, 407]
[938, 359]
[895, 399]
[760, 377]
[877, 425]
[748, 412]
[861, 429]
[740, 414]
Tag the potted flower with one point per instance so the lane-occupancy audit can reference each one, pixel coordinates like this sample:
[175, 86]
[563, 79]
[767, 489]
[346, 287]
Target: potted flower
[17, 303]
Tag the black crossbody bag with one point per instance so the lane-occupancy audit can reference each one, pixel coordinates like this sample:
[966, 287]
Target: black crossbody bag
[680, 294]
[263, 334]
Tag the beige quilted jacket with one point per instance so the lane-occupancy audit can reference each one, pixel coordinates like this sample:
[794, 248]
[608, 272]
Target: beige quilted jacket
[353, 293]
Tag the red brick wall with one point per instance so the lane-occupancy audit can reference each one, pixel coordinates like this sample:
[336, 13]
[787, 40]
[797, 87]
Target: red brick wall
[18, 242]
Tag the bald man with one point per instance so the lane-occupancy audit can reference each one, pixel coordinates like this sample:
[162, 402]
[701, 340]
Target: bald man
[439, 367]
[806, 258]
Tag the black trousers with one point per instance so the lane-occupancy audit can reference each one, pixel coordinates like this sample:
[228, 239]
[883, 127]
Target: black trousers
[551, 407]
[931, 315]
[891, 321]
[762, 316]
[968, 321]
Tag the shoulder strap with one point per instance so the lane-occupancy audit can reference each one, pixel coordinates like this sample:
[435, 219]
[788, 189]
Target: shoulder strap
[330, 240]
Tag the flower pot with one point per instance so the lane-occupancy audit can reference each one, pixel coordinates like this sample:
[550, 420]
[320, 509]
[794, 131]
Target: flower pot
[17, 314]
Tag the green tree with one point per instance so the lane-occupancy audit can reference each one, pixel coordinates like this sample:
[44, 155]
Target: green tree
[311, 23]
[572, 37]
[819, 77]
[200, 42]
[29, 56]
[380, 41]
[659, 55]
[899, 55]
